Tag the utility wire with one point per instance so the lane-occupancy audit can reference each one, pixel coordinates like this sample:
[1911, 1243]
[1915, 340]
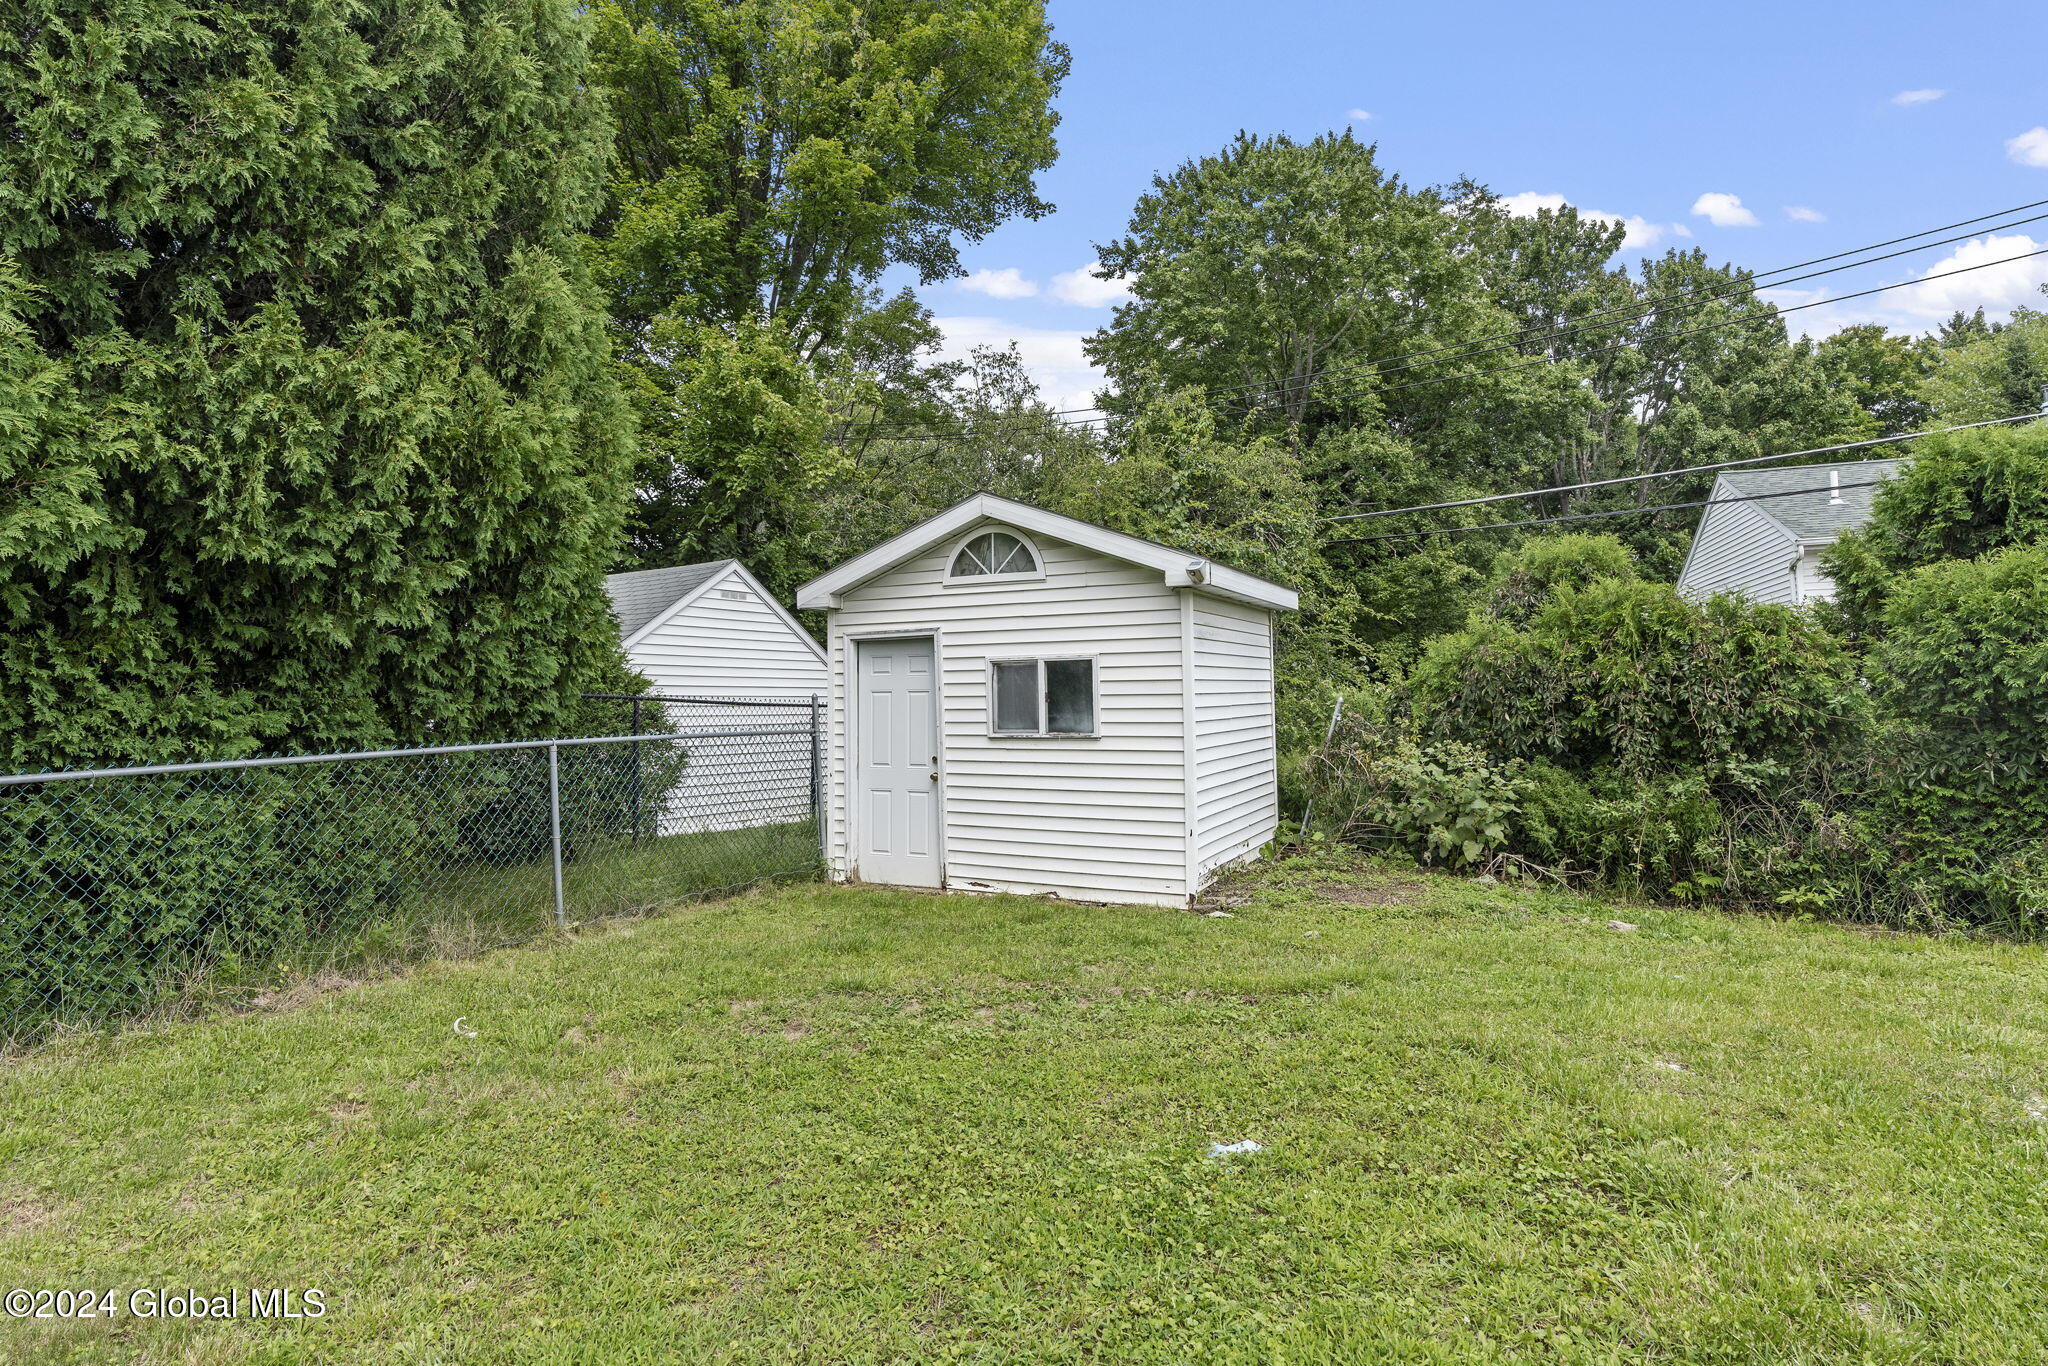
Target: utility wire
[1621, 345]
[1710, 327]
[1638, 311]
[1672, 474]
[1590, 516]
[1637, 308]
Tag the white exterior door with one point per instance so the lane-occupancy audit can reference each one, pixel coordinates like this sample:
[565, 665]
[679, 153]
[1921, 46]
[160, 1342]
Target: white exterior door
[896, 763]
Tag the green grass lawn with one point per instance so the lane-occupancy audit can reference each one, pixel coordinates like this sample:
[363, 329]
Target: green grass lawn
[859, 1125]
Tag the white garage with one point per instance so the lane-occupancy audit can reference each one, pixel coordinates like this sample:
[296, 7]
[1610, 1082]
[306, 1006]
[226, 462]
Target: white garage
[738, 677]
[1023, 702]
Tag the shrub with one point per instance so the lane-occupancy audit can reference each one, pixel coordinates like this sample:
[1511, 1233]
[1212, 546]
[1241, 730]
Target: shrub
[1963, 663]
[1527, 578]
[1442, 803]
[1626, 673]
[119, 887]
[1964, 495]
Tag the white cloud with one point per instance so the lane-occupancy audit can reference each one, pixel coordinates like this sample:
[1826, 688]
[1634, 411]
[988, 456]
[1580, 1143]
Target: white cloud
[2029, 148]
[1799, 213]
[1641, 231]
[1724, 210]
[1007, 283]
[1525, 204]
[1919, 308]
[1906, 99]
[1051, 356]
[1084, 288]
[1357, 115]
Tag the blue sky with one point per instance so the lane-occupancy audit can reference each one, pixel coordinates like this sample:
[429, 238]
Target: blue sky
[1878, 119]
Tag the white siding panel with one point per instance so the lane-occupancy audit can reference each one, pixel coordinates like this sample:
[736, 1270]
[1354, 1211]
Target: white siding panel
[1099, 819]
[1237, 802]
[1740, 549]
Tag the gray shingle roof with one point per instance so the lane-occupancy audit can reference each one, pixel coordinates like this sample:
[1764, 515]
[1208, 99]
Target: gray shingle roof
[642, 595]
[1812, 516]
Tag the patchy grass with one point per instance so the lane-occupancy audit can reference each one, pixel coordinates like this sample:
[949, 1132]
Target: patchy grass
[859, 1125]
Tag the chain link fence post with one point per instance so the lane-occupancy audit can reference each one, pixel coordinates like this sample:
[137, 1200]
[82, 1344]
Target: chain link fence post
[555, 829]
[817, 787]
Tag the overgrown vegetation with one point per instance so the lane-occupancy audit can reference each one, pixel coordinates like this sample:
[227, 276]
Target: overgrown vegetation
[1878, 762]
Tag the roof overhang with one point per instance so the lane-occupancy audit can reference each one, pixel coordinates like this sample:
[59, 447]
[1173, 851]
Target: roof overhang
[1176, 568]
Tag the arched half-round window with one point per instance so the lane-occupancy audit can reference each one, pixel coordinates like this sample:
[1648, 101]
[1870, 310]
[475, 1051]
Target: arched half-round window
[993, 554]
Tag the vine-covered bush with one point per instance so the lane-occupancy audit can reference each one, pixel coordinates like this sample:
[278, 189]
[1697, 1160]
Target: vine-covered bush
[1963, 663]
[1628, 674]
[1526, 579]
[1597, 725]
[1441, 802]
[1962, 496]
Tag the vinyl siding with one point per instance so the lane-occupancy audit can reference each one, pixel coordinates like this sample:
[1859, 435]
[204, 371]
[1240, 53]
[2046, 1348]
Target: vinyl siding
[1096, 819]
[727, 645]
[1740, 549]
[1237, 803]
[1814, 583]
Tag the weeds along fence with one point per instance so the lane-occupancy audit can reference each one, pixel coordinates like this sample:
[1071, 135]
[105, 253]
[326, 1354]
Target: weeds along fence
[141, 891]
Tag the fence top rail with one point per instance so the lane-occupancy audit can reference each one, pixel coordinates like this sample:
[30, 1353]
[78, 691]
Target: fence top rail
[805, 700]
[65, 775]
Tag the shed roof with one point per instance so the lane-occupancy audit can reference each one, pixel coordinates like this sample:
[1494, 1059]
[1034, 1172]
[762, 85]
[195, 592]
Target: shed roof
[1812, 516]
[1178, 568]
[641, 595]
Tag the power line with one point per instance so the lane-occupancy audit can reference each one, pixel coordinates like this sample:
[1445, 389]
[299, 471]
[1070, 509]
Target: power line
[1590, 516]
[1641, 309]
[1627, 343]
[1672, 474]
[1710, 327]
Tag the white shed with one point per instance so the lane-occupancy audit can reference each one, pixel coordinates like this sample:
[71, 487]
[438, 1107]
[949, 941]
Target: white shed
[1023, 702]
[1764, 530]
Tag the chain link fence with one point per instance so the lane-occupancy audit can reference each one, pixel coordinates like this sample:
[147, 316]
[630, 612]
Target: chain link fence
[158, 890]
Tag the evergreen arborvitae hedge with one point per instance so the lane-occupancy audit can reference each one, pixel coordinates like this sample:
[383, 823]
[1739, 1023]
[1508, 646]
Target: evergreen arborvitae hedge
[308, 431]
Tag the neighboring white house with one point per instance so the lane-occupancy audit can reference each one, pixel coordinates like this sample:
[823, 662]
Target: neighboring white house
[1768, 547]
[1023, 702]
[711, 632]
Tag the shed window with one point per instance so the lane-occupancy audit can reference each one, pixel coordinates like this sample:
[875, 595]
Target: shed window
[1042, 697]
[993, 554]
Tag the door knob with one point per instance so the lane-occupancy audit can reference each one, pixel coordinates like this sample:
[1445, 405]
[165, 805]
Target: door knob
[935, 775]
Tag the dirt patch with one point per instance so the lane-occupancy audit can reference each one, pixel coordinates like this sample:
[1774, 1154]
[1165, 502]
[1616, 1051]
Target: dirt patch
[347, 1111]
[21, 1214]
[795, 1029]
[1369, 893]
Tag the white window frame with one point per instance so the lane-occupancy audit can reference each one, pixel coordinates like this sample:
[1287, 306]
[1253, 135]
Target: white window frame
[1032, 575]
[1094, 698]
